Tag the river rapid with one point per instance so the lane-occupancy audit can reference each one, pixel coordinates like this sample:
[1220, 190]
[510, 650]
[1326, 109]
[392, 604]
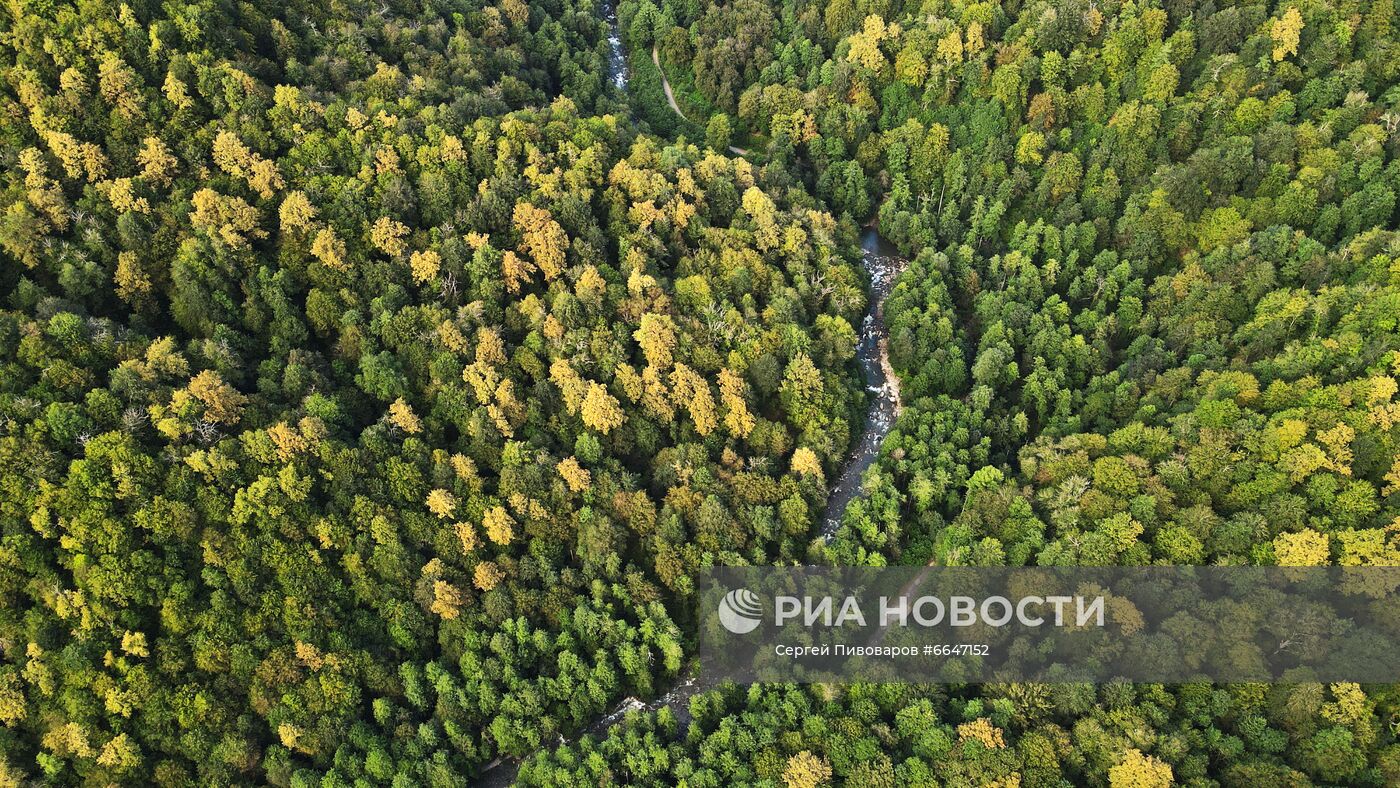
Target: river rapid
[617, 61]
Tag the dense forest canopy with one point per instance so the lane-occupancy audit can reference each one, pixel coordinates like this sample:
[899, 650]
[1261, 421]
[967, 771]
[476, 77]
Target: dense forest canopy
[1150, 317]
[374, 377]
[360, 423]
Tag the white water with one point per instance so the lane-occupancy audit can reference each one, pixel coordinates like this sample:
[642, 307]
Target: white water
[617, 61]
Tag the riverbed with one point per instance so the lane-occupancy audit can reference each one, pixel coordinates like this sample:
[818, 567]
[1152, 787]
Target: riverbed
[882, 264]
[617, 61]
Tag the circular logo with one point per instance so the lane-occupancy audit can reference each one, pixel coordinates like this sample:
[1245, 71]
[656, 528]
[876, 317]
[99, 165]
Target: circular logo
[740, 611]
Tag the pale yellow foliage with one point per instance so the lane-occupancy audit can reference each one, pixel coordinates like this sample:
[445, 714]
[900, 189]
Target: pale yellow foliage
[452, 337]
[222, 402]
[309, 655]
[865, 45]
[553, 329]
[13, 708]
[517, 271]
[805, 462]
[424, 265]
[175, 92]
[805, 770]
[499, 525]
[264, 178]
[133, 285]
[134, 643]
[68, 740]
[1140, 771]
[575, 476]
[1303, 461]
[1392, 479]
[402, 416]
[950, 48]
[982, 730]
[289, 442]
[73, 81]
[590, 286]
[1338, 440]
[330, 250]
[656, 397]
[1304, 548]
[600, 410]
[657, 338]
[452, 150]
[572, 387]
[629, 380]
[230, 219]
[541, 238]
[689, 390]
[1285, 32]
[386, 161]
[121, 192]
[236, 159]
[120, 753]
[120, 87]
[467, 536]
[490, 348]
[760, 207]
[296, 213]
[910, 66]
[387, 236]
[441, 503]
[1352, 710]
[487, 575]
[79, 159]
[44, 193]
[975, 39]
[737, 418]
[447, 600]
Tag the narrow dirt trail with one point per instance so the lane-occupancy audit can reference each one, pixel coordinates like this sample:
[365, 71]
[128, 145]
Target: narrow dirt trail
[671, 98]
[666, 83]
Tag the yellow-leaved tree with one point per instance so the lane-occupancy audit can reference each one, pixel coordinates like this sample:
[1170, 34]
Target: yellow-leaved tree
[441, 503]
[499, 525]
[541, 238]
[1285, 31]
[805, 463]
[865, 45]
[657, 338]
[600, 410]
[487, 575]
[222, 402]
[1304, 548]
[576, 476]
[1140, 771]
[401, 415]
[737, 418]
[805, 770]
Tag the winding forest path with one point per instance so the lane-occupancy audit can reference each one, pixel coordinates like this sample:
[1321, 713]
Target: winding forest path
[666, 83]
[671, 98]
[883, 265]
